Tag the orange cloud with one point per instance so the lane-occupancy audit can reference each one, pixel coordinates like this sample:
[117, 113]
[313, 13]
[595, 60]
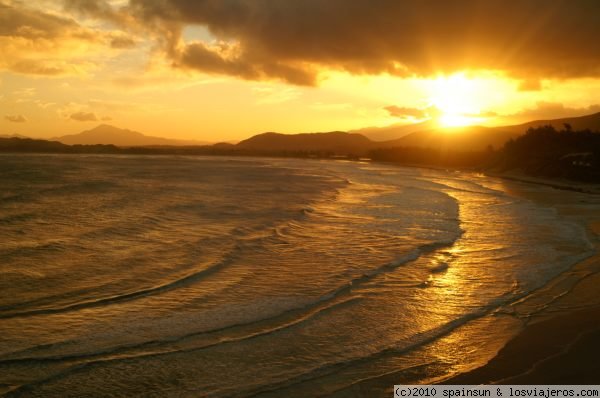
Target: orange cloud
[15, 118]
[84, 116]
[36, 42]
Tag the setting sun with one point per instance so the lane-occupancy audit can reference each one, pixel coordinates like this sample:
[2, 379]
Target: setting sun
[299, 198]
[457, 120]
[455, 98]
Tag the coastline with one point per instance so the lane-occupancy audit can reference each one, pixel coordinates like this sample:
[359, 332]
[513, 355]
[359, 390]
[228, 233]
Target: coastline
[558, 345]
[565, 309]
[557, 183]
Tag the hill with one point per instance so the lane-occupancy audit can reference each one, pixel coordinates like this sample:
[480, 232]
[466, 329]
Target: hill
[13, 136]
[469, 138]
[109, 135]
[394, 131]
[476, 138]
[336, 142]
[29, 145]
[587, 122]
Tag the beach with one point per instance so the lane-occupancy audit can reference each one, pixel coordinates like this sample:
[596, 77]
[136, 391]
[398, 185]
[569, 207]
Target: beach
[556, 336]
[128, 274]
[560, 345]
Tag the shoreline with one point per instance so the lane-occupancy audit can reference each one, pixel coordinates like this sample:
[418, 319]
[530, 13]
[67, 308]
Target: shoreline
[556, 183]
[544, 342]
[558, 345]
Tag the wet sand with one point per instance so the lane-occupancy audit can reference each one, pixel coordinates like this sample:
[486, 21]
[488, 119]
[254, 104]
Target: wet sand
[560, 345]
[557, 345]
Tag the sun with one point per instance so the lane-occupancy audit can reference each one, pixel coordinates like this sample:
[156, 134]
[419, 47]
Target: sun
[455, 98]
[456, 120]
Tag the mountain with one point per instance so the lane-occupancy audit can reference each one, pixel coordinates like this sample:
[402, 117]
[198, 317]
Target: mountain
[475, 138]
[110, 135]
[423, 135]
[468, 138]
[394, 131]
[13, 136]
[587, 122]
[337, 142]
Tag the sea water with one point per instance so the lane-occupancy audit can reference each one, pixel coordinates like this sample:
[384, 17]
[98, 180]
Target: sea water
[208, 276]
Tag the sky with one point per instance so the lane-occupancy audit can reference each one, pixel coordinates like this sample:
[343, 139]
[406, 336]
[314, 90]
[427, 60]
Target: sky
[223, 70]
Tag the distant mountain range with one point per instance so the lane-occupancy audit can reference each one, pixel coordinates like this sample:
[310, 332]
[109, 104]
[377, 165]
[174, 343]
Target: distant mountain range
[12, 136]
[423, 135]
[109, 135]
[335, 141]
[394, 131]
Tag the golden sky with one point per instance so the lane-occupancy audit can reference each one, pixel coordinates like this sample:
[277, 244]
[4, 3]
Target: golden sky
[218, 70]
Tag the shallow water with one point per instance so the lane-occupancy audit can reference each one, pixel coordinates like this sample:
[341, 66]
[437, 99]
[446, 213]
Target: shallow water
[190, 276]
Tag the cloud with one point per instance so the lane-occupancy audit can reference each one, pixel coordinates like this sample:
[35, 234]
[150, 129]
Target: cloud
[33, 24]
[94, 8]
[530, 85]
[84, 116]
[37, 42]
[122, 42]
[415, 113]
[403, 112]
[224, 59]
[48, 68]
[293, 40]
[15, 118]
[275, 95]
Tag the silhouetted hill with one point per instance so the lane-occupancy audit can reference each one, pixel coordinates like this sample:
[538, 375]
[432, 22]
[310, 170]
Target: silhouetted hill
[13, 136]
[469, 138]
[337, 142]
[476, 138]
[587, 122]
[28, 145]
[110, 135]
[394, 131]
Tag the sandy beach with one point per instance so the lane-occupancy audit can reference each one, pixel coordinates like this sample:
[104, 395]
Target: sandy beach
[559, 345]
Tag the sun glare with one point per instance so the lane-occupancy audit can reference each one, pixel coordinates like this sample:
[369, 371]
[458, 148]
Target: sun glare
[455, 98]
[457, 120]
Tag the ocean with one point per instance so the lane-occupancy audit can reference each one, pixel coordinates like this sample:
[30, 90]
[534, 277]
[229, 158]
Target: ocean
[216, 277]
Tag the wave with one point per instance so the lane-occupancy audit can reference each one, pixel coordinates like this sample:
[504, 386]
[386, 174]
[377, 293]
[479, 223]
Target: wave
[194, 277]
[420, 340]
[327, 301]
[246, 237]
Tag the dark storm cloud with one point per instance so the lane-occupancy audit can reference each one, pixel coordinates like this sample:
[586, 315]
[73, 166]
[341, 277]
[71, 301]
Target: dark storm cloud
[198, 56]
[528, 39]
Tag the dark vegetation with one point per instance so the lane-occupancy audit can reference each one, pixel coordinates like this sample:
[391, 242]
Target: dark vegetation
[542, 151]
